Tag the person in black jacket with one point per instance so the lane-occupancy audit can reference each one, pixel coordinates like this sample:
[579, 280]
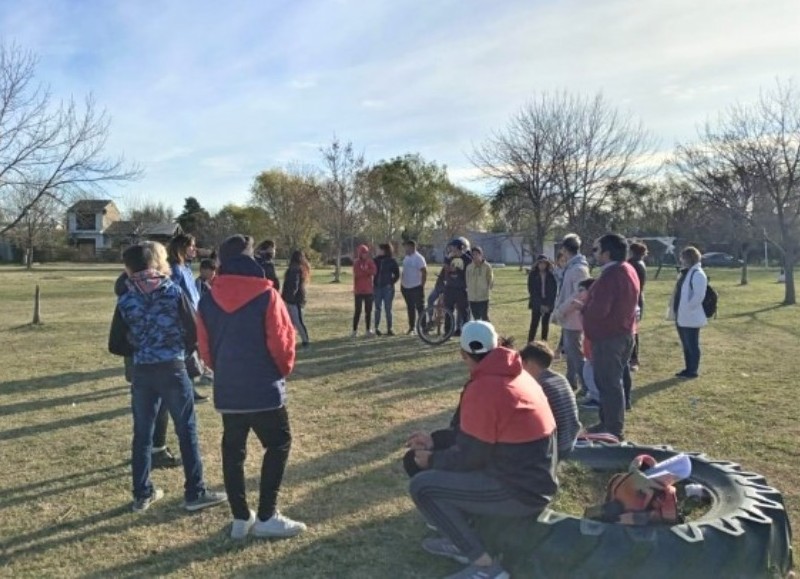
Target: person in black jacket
[638, 252]
[264, 254]
[294, 292]
[542, 291]
[386, 276]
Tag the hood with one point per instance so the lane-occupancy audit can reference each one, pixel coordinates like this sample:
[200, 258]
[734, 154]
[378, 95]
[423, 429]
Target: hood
[579, 259]
[243, 265]
[232, 292]
[501, 361]
[121, 285]
[361, 250]
[147, 281]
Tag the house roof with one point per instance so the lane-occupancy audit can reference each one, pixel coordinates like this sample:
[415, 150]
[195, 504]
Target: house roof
[90, 205]
[131, 228]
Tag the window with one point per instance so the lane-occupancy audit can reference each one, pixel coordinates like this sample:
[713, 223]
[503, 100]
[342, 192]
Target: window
[85, 222]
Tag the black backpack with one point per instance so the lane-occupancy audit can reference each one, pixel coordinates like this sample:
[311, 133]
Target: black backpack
[709, 300]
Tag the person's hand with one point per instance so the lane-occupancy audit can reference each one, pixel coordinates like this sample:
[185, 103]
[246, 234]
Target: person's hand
[545, 309]
[420, 441]
[423, 458]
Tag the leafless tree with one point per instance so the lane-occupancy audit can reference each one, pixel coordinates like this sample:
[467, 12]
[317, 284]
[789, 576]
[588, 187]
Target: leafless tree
[758, 147]
[342, 193]
[51, 150]
[38, 225]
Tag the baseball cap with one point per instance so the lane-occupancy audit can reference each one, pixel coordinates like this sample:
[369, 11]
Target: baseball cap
[478, 337]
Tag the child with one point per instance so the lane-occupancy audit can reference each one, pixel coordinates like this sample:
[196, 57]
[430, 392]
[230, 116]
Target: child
[153, 322]
[364, 271]
[592, 400]
[208, 271]
[245, 335]
[294, 292]
[480, 280]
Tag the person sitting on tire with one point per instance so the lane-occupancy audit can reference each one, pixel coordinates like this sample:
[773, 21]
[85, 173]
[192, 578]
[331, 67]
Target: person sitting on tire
[504, 457]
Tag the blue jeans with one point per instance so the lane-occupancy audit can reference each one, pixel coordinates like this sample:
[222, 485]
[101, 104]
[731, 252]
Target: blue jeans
[384, 296]
[165, 383]
[690, 340]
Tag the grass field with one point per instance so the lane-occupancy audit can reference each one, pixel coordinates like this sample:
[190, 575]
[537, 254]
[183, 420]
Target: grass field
[65, 430]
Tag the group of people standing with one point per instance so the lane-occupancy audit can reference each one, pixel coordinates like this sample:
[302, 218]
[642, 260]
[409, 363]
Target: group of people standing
[463, 285]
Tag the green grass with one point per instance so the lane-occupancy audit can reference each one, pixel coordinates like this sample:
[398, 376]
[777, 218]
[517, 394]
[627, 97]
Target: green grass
[65, 430]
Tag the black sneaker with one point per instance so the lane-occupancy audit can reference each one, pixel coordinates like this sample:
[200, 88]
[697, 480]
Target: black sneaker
[164, 459]
[390, 333]
[378, 332]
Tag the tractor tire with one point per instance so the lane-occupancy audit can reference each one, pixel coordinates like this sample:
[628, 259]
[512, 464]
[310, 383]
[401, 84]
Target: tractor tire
[745, 534]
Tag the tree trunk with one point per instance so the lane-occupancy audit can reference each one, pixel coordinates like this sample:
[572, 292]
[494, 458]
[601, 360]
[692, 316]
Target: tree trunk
[29, 258]
[745, 253]
[789, 298]
[37, 319]
[337, 268]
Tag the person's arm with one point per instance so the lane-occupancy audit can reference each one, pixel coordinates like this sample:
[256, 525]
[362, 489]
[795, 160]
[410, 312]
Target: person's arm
[280, 334]
[118, 343]
[531, 283]
[188, 323]
[489, 275]
[468, 453]
[203, 346]
[395, 271]
[698, 283]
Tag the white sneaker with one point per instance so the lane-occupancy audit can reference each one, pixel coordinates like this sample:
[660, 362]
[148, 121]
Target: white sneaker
[369, 333]
[278, 526]
[241, 528]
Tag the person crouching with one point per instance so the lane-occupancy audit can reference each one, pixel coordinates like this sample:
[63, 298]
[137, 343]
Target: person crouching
[246, 336]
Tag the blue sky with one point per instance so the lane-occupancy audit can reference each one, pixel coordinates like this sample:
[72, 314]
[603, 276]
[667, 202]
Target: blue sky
[205, 94]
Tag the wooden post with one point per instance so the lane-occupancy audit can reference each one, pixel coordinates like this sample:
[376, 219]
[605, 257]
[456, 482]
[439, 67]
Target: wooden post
[36, 307]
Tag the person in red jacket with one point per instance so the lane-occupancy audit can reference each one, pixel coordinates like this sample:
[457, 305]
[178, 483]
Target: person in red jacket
[503, 460]
[609, 321]
[245, 334]
[364, 271]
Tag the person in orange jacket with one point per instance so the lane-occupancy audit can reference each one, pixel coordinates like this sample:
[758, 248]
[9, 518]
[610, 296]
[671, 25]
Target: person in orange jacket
[364, 271]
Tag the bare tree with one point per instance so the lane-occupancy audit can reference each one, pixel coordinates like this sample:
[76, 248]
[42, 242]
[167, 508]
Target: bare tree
[342, 193]
[38, 224]
[758, 147]
[48, 149]
[290, 197]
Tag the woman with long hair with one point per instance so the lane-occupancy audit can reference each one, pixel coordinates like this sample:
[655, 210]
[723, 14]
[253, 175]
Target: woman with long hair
[542, 290]
[364, 271]
[294, 292]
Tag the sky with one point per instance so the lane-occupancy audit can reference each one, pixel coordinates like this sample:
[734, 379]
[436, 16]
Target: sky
[203, 95]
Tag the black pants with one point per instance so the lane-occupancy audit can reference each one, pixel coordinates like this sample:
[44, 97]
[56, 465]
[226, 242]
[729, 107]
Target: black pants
[415, 303]
[536, 316]
[480, 310]
[366, 302]
[455, 300]
[635, 354]
[272, 429]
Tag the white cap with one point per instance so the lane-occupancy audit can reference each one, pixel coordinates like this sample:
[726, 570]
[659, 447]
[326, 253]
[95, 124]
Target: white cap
[478, 337]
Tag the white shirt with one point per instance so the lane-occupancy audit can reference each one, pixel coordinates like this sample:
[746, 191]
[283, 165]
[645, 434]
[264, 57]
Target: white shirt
[412, 270]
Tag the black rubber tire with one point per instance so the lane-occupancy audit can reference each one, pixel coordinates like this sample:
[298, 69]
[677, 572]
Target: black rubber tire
[745, 534]
[437, 335]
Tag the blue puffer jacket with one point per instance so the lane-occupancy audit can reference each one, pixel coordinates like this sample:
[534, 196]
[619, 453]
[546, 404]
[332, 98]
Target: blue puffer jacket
[183, 276]
[153, 322]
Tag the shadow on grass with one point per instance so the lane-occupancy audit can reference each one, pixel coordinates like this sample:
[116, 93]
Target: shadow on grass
[753, 317]
[654, 388]
[63, 380]
[81, 420]
[35, 405]
[438, 377]
[36, 491]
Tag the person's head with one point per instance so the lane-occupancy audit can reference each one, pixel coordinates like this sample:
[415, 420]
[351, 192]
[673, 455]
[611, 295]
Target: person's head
[638, 250]
[570, 245]
[208, 269]
[410, 247]
[477, 255]
[457, 247]
[266, 249]
[138, 258]
[465, 242]
[235, 246]
[536, 358]
[543, 263]
[299, 261]
[477, 340]
[161, 261]
[362, 252]
[690, 256]
[610, 247]
[181, 248]
[585, 285]
[385, 249]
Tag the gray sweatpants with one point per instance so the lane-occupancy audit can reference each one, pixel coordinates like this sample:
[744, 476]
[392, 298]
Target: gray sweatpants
[573, 349]
[448, 499]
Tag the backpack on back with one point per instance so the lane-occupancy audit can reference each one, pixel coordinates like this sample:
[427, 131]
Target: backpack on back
[709, 300]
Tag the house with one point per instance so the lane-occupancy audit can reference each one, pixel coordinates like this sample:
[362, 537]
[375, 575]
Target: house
[508, 248]
[95, 226]
[87, 223]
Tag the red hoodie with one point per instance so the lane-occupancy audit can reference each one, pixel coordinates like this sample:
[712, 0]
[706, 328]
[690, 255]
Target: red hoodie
[364, 271]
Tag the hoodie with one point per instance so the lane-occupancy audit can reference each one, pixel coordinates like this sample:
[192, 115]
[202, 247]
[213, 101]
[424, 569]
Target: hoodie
[576, 270]
[246, 336]
[505, 429]
[183, 276]
[153, 321]
[364, 271]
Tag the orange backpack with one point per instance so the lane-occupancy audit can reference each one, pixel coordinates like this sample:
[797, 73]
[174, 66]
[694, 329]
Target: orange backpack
[633, 499]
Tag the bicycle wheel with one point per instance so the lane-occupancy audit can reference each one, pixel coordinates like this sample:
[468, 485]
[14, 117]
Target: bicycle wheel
[436, 325]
